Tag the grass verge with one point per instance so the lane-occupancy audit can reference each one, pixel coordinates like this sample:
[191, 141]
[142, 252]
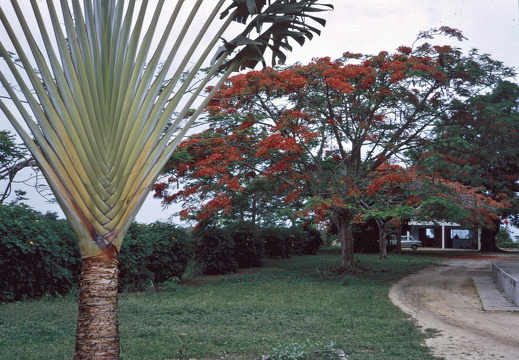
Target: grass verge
[239, 316]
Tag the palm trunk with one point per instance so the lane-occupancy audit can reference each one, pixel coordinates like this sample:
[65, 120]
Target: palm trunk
[97, 334]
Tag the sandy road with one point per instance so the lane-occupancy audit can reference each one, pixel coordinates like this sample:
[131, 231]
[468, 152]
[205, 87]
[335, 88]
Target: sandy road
[444, 298]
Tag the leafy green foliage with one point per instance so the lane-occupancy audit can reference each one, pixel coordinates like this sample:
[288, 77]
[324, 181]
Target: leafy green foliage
[38, 256]
[13, 158]
[477, 145]
[277, 243]
[509, 245]
[282, 243]
[313, 241]
[153, 254]
[248, 248]
[40, 253]
[215, 250]
[275, 23]
[504, 235]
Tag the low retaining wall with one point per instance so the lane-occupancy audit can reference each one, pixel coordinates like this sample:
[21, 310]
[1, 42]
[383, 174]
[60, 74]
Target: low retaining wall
[506, 276]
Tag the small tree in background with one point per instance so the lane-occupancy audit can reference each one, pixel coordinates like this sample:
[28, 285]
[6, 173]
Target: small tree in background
[13, 158]
[395, 193]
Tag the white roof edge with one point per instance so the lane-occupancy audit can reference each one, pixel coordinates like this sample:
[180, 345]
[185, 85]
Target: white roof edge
[430, 223]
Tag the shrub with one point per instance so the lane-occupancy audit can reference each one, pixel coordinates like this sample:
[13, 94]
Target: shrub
[38, 255]
[248, 249]
[509, 245]
[171, 251]
[277, 242]
[297, 240]
[314, 241]
[215, 250]
[134, 274]
[154, 253]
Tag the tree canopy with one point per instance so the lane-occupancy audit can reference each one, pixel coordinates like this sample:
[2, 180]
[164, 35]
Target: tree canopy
[317, 131]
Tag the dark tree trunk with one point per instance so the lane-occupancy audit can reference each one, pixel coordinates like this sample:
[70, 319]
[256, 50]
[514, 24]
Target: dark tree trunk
[343, 221]
[382, 241]
[488, 237]
[97, 334]
[382, 244]
[399, 240]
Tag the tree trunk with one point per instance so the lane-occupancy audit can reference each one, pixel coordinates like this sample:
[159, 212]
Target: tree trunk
[97, 334]
[488, 237]
[399, 240]
[382, 240]
[342, 219]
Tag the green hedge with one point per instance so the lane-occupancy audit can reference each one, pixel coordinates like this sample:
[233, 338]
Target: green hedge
[38, 255]
[281, 243]
[215, 250]
[508, 245]
[248, 248]
[153, 254]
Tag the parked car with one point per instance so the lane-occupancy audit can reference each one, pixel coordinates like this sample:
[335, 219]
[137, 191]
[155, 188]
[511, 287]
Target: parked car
[406, 241]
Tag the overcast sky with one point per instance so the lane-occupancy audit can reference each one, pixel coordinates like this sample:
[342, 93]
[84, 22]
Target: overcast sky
[369, 26]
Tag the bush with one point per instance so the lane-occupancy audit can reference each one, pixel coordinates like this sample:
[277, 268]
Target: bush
[215, 250]
[277, 242]
[509, 245]
[154, 253]
[248, 249]
[38, 255]
[171, 251]
[134, 274]
[313, 242]
[297, 240]
[366, 238]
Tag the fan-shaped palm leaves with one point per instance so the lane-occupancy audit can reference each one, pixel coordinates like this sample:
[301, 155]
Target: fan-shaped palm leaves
[100, 97]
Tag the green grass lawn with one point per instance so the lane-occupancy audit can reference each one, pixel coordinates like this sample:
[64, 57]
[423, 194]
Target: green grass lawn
[239, 316]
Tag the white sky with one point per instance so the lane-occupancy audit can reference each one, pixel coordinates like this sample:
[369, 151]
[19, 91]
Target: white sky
[369, 26]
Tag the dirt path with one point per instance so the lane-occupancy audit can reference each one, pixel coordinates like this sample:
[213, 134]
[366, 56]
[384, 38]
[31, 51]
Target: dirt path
[444, 298]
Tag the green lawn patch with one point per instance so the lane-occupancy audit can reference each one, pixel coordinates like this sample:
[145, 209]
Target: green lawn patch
[239, 316]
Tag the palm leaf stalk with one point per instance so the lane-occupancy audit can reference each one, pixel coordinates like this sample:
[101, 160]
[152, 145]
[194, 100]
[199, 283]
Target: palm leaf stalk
[100, 102]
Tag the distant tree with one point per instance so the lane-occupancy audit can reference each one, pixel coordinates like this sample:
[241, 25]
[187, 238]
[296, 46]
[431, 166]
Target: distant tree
[476, 145]
[395, 194]
[13, 158]
[317, 131]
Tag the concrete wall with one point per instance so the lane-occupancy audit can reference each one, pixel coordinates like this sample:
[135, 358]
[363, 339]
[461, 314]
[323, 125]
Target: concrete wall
[506, 276]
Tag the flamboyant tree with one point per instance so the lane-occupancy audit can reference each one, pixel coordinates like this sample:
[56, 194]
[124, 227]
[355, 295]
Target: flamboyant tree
[393, 194]
[99, 98]
[319, 130]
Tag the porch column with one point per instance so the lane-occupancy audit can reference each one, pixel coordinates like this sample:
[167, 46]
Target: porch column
[443, 236]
